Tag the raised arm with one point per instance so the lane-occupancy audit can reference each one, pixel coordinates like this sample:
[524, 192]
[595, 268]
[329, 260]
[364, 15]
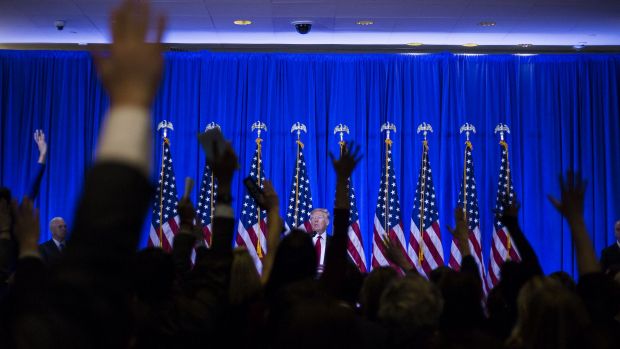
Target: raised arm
[35, 184]
[274, 229]
[336, 254]
[528, 257]
[223, 221]
[571, 207]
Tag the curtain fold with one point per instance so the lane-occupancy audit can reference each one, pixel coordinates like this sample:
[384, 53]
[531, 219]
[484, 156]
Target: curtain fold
[563, 112]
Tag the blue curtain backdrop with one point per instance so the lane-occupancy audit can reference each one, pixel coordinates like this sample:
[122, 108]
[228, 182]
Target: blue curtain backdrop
[563, 111]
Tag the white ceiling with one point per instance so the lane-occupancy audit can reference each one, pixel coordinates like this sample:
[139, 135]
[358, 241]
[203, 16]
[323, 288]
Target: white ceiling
[396, 22]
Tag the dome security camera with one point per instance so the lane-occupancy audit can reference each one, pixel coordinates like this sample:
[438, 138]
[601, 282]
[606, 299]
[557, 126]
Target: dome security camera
[59, 24]
[302, 27]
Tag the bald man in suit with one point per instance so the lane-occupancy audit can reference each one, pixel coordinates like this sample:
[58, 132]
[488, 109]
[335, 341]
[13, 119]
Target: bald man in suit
[610, 256]
[52, 249]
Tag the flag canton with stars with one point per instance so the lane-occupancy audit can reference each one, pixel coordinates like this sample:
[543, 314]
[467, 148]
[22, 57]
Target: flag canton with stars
[505, 190]
[299, 212]
[425, 203]
[249, 211]
[168, 206]
[468, 197]
[353, 214]
[208, 195]
[387, 203]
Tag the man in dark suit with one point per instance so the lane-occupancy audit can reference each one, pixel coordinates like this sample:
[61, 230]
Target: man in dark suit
[51, 249]
[319, 219]
[610, 256]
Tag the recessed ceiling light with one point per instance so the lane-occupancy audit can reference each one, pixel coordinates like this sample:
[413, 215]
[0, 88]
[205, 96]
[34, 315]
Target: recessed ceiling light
[365, 22]
[242, 22]
[525, 45]
[414, 44]
[487, 24]
[470, 44]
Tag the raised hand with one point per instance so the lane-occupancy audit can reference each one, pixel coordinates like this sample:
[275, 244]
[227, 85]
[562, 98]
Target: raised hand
[573, 189]
[187, 214]
[272, 201]
[396, 254]
[132, 71]
[26, 225]
[349, 158]
[39, 139]
[461, 232]
[225, 166]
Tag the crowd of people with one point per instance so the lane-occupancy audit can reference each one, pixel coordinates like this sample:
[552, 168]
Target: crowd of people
[100, 291]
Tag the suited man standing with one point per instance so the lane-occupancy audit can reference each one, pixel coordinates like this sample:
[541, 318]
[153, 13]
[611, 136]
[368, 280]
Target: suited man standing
[610, 257]
[319, 220]
[52, 249]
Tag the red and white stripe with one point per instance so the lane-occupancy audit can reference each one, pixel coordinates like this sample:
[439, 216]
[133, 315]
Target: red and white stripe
[378, 249]
[169, 230]
[355, 247]
[502, 249]
[432, 248]
[250, 237]
[476, 252]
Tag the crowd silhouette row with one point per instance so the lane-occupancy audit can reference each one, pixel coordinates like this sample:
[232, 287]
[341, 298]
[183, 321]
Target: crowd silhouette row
[102, 292]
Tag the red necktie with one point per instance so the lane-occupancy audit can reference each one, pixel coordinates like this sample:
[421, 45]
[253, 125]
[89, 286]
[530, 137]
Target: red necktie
[317, 248]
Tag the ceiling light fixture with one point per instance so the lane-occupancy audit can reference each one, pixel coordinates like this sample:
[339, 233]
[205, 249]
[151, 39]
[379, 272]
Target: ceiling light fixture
[414, 44]
[242, 22]
[524, 45]
[365, 22]
[470, 44]
[580, 45]
[487, 24]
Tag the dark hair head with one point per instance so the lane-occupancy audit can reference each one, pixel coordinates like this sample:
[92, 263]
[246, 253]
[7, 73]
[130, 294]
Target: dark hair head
[374, 285]
[5, 194]
[550, 316]
[565, 279]
[295, 260]
[153, 276]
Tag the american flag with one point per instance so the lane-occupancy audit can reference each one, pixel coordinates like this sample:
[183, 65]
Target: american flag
[252, 228]
[468, 199]
[425, 249]
[206, 203]
[300, 199]
[165, 218]
[354, 244]
[502, 248]
[355, 247]
[387, 222]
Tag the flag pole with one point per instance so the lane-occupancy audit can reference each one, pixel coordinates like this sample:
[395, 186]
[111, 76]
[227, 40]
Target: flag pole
[467, 128]
[388, 143]
[165, 125]
[259, 126]
[424, 128]
[210, 126]
[297, 127]
[501, 128]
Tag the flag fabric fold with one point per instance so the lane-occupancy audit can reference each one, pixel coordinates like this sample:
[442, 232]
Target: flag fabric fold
[252, 228]
[206, 203]
[468, 200]
[165, 218]
[387, 221]
[425, 248]
[355, 246]
[502, 248]
[300, 198]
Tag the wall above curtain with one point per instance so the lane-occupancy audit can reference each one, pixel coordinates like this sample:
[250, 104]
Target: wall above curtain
[563, 112]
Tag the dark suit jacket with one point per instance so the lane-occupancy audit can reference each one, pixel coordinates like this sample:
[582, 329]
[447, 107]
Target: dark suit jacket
[610, 256]
[49, 251]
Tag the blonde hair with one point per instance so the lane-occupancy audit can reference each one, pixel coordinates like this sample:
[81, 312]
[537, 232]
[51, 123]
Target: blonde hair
[245, 282]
